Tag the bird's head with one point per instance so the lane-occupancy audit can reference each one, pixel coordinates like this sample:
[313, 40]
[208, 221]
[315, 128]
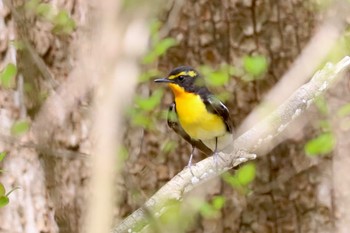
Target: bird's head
[183, 79]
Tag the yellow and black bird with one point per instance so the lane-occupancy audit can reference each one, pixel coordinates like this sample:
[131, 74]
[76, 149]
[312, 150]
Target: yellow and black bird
[196, 114]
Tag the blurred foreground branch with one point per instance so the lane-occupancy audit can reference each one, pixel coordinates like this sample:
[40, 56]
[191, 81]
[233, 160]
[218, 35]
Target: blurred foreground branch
[117, 47]
[257, 140]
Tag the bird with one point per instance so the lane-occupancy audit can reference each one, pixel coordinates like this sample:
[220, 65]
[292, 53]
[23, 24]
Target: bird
[196, 114]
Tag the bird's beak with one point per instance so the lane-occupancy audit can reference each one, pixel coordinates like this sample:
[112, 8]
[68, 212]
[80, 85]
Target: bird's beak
[163, 80]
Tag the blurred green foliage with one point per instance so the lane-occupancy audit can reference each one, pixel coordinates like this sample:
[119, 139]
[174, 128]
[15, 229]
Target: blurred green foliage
[175, 219]
[18, 44]
[324, 142]
[212, 209]
[244, 176]
[60, 19]
[2, 155]
[340, 49]
[158, 50]
[168, 145]
[4, 197]
[321, 145]
[7, 76]
[4, 200]
[321, 105]
[149, 103]
[2, 190]
[148, 75]
[123, 153]
[254, 66]
[141, 114]
[158, 46]
[20, 127]
[63, 23]
[179, 217]
[344, 110]
[324, 125]
[218, 77]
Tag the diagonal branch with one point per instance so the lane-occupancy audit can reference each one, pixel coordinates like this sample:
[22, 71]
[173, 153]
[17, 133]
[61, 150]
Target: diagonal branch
[257, 140]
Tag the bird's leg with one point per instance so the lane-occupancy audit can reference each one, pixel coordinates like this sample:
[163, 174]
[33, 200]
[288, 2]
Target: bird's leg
[215, 155]
[190, 161]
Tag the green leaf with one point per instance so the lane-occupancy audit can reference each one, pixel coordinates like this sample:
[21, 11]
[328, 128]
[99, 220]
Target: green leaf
[148, 75]
[18, 44]
[2, 190]
[129, 5]
[148, 104]
[321, 145]
[344, 110]
[218, 202]
[154, 30]
[19, 127]
[159, 49]
[63, 23]
[164, 45]
[138, 118]
[218, 78]
[207, 210]
[123, 153]
[205, 70]
[168, 146]
[2, 155]
[7, 75]
[45, 10]
[32, 4]
[324, 125]
[246, 173]
[321, 104]
[224, 96]
[242, 177]
[255, 65]
[172, 213]
[231, 180]
[4, 201]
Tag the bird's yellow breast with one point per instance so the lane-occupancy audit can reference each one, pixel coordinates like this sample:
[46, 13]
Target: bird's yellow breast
[194, 117]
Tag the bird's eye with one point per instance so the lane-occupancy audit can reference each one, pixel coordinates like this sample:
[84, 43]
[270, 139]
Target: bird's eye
[181, 78]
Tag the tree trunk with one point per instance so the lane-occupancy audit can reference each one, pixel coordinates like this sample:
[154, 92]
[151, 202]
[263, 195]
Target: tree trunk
[52, 185]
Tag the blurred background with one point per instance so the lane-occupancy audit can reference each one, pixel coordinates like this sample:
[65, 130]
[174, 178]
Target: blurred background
[242, 48]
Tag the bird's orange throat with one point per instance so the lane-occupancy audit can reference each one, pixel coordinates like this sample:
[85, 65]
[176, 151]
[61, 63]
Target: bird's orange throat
[177, 90]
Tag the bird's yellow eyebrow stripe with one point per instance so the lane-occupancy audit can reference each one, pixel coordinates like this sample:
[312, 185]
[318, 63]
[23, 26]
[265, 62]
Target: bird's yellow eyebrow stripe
[189, 73]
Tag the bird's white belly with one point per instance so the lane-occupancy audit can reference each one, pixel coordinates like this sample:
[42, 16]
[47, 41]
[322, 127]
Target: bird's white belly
[223, 142]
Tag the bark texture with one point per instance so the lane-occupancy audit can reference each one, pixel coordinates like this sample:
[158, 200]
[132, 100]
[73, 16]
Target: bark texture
[52, 185]
[337, 99]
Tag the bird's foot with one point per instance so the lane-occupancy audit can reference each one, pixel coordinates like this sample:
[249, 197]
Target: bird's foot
[190, 168]
[216, 157]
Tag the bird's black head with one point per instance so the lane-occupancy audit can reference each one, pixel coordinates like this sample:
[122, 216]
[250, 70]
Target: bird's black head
[185, 77]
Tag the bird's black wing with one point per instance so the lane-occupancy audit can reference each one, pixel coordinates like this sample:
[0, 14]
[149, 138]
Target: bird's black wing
[214, 105]
[175, 125]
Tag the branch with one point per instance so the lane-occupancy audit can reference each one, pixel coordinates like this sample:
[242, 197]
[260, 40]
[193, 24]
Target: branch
[257, 140]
